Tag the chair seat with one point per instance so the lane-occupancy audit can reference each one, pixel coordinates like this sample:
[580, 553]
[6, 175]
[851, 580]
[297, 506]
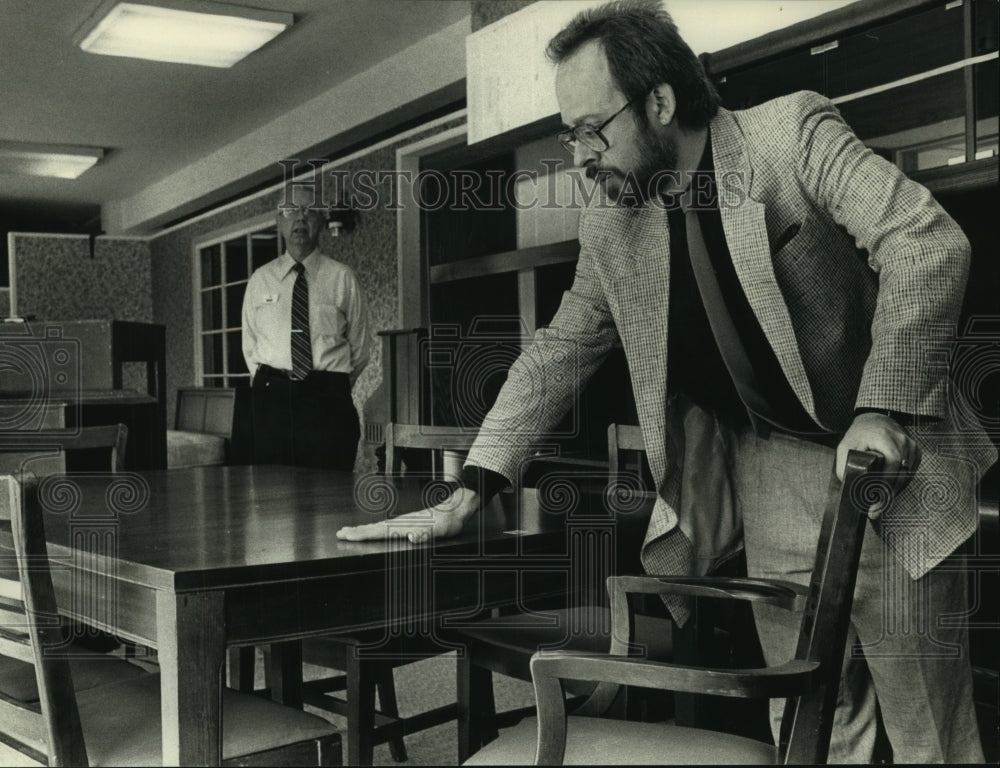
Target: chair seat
[601, 741]
[121, 723]
[17, 678]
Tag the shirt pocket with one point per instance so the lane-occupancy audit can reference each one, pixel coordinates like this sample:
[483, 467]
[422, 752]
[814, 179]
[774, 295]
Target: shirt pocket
[331, 322]
[270, 325]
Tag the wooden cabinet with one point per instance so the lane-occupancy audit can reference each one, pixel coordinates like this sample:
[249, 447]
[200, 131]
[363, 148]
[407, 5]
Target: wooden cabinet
[86, 366]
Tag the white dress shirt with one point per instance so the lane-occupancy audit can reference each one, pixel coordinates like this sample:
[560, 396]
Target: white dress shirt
[338, 318]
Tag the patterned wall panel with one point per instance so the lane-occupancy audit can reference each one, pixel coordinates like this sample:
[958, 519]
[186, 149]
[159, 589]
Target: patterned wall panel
[370, 250]
[58, 280]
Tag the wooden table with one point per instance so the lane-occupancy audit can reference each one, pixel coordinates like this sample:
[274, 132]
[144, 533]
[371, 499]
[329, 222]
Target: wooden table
[192, 561]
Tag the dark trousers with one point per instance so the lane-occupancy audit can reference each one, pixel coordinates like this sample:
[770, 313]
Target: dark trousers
[308, 423]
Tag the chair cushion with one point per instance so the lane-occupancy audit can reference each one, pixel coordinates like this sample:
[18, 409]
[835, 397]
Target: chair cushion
[600, 741]
[194, 449]
[121, 723]
[17, 679]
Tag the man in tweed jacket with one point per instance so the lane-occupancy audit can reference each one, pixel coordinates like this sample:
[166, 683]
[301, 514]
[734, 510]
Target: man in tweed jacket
[850, 277]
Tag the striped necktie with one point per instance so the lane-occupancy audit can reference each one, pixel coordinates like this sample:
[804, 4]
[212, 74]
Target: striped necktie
[301, 338]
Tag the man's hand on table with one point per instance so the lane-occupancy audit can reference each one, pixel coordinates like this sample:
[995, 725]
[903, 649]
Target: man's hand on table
[440, 521]
[882, 434]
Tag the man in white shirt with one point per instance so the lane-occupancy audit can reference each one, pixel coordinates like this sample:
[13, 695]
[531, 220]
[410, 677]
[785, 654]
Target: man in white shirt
[305, 341]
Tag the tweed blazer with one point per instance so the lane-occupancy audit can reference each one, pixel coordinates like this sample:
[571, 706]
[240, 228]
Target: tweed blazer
[859, 301]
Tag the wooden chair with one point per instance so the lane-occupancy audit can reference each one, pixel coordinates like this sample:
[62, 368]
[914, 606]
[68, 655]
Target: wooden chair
[721, 631]
[810, 681]
[40, 463]
[115, 724]
[212, 426]
[15, 446]
[504, 644]
[42, 455]
[362, 676]
[403, 438]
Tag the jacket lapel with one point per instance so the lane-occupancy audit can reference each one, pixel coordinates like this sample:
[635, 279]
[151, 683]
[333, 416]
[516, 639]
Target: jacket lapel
[639, 298]
[746, 235]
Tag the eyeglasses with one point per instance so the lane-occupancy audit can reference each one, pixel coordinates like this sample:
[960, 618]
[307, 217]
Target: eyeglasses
[589, 135]
[294, 211]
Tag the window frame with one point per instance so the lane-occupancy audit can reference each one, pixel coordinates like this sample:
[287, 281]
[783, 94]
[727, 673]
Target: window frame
[244, 228]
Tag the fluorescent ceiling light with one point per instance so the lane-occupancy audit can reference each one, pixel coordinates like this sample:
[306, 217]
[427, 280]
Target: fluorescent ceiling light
[56, 160]
[182, 31]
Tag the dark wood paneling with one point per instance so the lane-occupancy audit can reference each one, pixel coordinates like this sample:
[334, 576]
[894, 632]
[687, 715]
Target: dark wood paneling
[810, 32]
[507, 261]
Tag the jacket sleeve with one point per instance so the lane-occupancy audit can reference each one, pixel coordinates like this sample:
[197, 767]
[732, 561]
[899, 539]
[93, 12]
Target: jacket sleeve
[544, 380]
[920, 255]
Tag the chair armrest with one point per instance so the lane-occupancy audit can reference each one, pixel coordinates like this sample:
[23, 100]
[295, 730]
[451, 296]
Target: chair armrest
[793, 678]
[550, 668]
[784, 594]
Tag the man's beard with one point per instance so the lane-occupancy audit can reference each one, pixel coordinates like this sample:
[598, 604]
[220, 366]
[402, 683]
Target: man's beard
[657, 157]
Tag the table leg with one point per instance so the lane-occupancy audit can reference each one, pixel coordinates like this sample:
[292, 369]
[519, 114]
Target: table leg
[190, 630]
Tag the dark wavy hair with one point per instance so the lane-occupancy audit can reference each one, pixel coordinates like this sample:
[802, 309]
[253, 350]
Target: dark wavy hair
[644, 49]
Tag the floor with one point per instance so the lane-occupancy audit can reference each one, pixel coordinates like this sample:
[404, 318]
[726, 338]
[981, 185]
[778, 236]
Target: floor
[424, 685]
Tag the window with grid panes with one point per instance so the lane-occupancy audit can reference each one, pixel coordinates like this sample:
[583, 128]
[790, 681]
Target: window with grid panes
[225, 267]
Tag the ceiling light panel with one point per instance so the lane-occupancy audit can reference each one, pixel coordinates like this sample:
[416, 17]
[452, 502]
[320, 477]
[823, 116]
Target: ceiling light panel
[185, 32]
[56, 161]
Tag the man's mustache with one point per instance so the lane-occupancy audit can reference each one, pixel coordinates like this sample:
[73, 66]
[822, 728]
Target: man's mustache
[595, 172]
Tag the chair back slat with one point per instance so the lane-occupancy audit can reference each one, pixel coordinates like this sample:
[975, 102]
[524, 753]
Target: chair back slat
[62, 735]
[16, 645]
[23, 728]
[113, 437]
[10, 589]
[12, 619]
[50, 461]
[808, 720]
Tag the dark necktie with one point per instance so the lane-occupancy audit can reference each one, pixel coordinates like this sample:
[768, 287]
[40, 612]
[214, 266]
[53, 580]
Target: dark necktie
[726, 336]
[301, 338]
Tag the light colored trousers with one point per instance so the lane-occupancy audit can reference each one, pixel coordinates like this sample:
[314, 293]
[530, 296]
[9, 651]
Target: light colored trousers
[915, 646]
